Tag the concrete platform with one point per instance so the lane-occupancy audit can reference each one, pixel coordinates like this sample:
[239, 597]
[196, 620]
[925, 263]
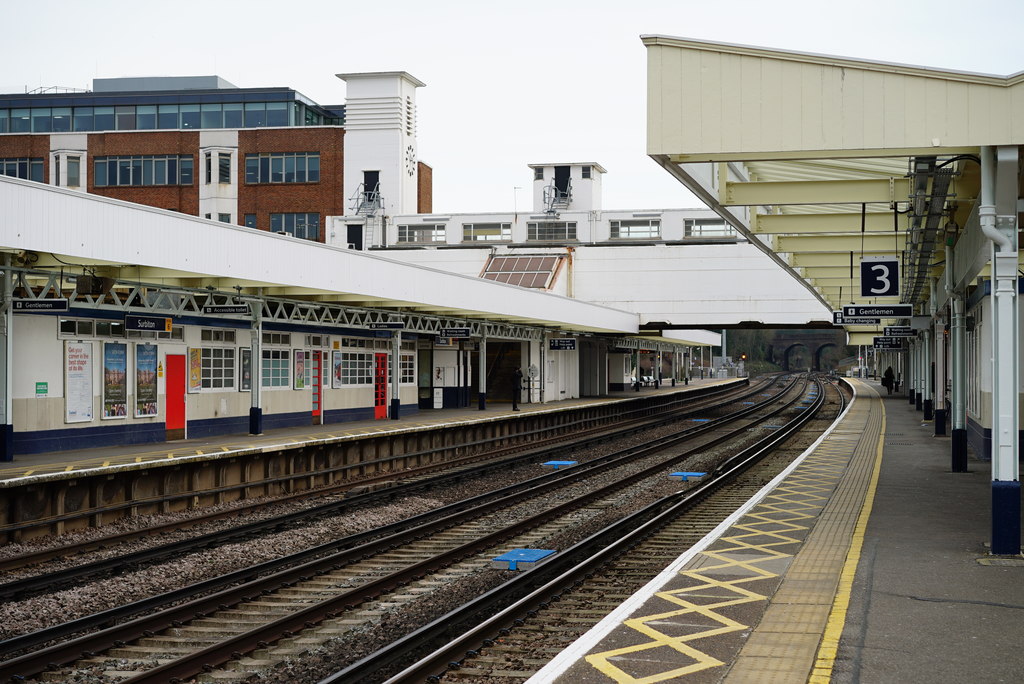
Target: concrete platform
[865, 562]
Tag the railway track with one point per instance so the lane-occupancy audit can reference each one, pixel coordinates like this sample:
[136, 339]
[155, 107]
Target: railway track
[322, 598]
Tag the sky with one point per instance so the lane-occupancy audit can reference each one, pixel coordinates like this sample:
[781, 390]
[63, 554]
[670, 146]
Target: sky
[507, 84]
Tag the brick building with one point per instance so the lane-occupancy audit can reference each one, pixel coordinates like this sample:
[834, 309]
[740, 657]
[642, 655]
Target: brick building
[266, 158]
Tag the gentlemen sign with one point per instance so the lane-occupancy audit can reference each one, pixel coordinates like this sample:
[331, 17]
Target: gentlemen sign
[880, 277]
[39, 304]
[147, 323]
[891, 311]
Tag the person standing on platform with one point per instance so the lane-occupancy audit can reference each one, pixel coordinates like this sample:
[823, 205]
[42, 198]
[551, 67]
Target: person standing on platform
[888, 379]
[517, 386]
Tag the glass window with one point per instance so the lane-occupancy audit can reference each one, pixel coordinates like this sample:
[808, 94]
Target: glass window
[278, 167]
[218, 367]
[41, 120]
[255, 114]
[275, 367]
[313, 167]
[27, 168]
[538, 174]
[551, 230]
[74, 171]
[211, 115]
[233, 115]
[167, 116]
[208, 165]
[252, 168]
[585, 171]
[189, 116]
[224, 218]
[356, 368]
[61, 121]
[224, 167]
[143, 170]
[184, 169]
[486, 232]
[83, 119]
[635, 229]
[125, 115]
[428, 232]
[145, 117]
[708, 228]
[277, 114]
[103, 118]
[21, 121]
[250, 220]
[300, 225]
[5, 120]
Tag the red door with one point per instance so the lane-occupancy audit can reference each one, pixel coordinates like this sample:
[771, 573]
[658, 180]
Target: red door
[318, 378]
[174, 411]
[380, 386]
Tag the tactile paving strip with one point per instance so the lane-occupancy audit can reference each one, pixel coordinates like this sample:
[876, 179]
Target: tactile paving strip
[777, 568]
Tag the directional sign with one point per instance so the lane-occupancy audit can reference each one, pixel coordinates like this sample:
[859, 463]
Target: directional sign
[226, 309]
[453, 332]
[839, 319]
[39, 304]
[880, 276]
[387, 326]
[891, 311]
[888, 343]
[899, 331]
[562, 344]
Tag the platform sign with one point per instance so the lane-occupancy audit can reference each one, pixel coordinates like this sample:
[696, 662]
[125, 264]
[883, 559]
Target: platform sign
[899, 331]
[39, 305]
[453, 332]
[888, 343]
[387, 326]
[880, 276]
[227, 309]
[890, 311]
[154, 323]
[562, 344]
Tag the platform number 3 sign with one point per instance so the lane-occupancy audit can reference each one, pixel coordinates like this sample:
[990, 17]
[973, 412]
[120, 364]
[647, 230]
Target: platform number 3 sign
[880, 277]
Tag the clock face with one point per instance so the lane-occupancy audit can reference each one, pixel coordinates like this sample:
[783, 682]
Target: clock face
[410, 160]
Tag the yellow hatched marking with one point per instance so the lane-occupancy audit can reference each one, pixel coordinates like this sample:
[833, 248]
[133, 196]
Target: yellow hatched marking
[800, 498]
[69, 468]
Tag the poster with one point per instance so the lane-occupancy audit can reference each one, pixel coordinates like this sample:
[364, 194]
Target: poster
[145, 380]
[78, 382]
[336, 370]
[300, 369]
[245, 369]
[195, 370]
[115, 380]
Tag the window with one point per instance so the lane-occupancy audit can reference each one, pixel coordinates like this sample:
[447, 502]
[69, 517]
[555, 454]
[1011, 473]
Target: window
[224, 167]
[636, 228]
[249, 220]
[524, 271]
[306, 226]
[585, 171]
[538, 174]
[708, 228]
[208, 165]
[486, 232]
[551, 230]
[170, 169]
[218, 367]
[83, 327]
[224, 218]
[27, 168]
[74, 171]
[356, 368]
[291, 167]
[275, 367]
[428, 232]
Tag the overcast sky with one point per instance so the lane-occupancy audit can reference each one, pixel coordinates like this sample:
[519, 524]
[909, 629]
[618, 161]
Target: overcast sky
[507, 84]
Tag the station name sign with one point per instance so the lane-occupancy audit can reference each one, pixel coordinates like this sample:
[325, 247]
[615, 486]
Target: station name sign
[888, 343]
[39, 304]
[155, 323]
[453, 332]
[226, 309]
[899, 331]
[891, 311]
[562, 344]
[386, 326]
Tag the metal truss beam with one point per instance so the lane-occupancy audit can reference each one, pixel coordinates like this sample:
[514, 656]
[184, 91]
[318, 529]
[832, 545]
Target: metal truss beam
[774, 224]
[771, 193]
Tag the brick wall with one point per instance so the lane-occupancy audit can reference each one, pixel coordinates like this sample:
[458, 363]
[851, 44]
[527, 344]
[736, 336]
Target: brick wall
[425, 190]
[37, 146]
[326, 197]
[183, 198]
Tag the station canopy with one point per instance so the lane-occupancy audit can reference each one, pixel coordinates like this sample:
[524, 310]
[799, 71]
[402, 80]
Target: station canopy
[826, 162]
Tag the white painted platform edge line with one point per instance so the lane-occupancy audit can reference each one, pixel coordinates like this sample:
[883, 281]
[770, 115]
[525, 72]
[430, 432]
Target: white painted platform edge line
[557, 666]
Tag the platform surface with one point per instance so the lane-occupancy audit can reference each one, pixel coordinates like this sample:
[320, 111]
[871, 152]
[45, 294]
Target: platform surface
[866, 563]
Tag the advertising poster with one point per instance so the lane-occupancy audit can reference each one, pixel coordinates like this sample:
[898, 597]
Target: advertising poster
[245, 369]
[77, 382]
[115, 380]
[300, 369]
[336, 370]
[195, 370]
[145, 380]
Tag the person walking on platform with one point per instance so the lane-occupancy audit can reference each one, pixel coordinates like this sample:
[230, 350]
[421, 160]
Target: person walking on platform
[888, 379]
[517, 386]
